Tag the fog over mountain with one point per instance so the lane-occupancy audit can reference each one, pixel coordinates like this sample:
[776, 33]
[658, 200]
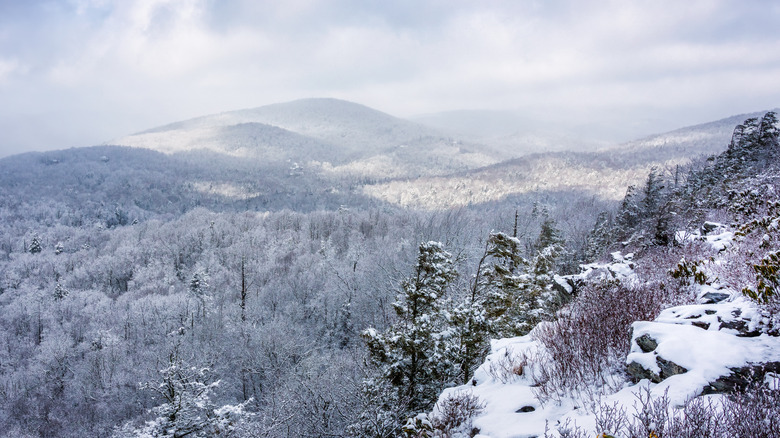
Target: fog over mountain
[452, 162]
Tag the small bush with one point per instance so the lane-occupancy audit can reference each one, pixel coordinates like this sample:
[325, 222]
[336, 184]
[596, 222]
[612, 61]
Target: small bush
[508, 367]
[456, 412]
[751, 414]
[754, 413]
[584, 349]
[452, 417]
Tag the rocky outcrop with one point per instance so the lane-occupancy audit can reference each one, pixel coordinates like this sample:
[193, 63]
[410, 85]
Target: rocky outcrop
[659, 371]
[741, 378]
[730, 345]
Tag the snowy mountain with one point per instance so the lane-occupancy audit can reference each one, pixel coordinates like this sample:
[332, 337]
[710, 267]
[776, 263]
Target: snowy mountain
[410, 165]
[704, 139]
[328, 135]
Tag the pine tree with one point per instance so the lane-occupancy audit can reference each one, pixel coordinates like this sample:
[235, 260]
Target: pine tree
[550, 241]
[59, 292]
[487, 308]
[503, 283]
[469, 334]
[413, 354]
[544, 266]
[653, 193]
[198, 288]
[600, 237]
[628, 216]
[517, 292]
[35, 245]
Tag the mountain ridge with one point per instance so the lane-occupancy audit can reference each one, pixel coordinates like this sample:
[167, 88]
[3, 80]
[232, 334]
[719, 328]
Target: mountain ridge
[315, 147]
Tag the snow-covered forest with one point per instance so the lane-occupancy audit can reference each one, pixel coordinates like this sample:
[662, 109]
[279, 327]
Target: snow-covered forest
[275, 294]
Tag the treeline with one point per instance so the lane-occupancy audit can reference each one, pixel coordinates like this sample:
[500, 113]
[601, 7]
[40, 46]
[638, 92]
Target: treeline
[725, 187]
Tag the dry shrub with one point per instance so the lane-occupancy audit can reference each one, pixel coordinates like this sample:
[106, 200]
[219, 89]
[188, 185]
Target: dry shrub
[658, 262]
[751, 414]
[585, 347]
[455, 413]
[754, 413]
[508, 367]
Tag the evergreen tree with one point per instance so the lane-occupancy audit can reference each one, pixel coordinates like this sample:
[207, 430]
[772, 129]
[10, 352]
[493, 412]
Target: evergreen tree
[628, 216]
[544, 265]
[35, 245]
[470, 339]
[198, 288]
[549, 247]
[549, 235]
[413, 354]
[502, 286]
[59, 292]
[653, 193]
[517, 292]
[600, 237]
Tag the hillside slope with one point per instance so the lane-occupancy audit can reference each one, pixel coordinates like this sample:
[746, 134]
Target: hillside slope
[335, 136]
[604, 173]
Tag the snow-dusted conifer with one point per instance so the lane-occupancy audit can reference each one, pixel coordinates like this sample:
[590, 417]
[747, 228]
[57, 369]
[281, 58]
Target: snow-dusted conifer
[599, 238]
[35, 245]
[413, 353]
[505, 300]
[469, 335]
[59, 292]
[629, 213]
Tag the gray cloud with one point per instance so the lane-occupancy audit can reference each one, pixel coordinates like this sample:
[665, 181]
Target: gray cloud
[82, 72]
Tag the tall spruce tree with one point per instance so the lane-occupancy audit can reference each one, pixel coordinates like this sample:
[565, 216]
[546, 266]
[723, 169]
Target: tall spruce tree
[505, 300]
[488, 308]
[413, 354]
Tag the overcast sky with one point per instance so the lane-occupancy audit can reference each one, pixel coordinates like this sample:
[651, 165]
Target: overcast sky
[81, 72]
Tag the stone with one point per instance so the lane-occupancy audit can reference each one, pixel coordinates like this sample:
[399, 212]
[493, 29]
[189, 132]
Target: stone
[709, 227]
[741, 378]
[646, 343]
[714, 297]
[741, 326]
[638, 372]
[669, 368]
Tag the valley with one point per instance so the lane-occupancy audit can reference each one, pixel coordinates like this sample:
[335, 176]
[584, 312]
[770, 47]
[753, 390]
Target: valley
[276, 269]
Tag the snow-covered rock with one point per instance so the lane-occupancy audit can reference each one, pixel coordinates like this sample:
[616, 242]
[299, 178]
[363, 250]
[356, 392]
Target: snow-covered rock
[717, 235]
[704, 348]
